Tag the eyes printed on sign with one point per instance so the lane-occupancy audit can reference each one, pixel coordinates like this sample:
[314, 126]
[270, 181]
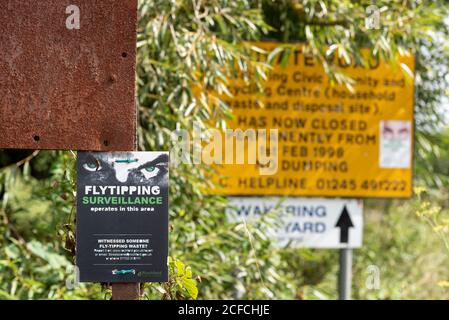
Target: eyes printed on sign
[150, 172]
[391, 130]
[154, 168]
[92, 164]
[150, 169]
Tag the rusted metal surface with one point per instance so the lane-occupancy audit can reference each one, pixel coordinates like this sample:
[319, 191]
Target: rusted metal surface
[67, 89]
[125, 291]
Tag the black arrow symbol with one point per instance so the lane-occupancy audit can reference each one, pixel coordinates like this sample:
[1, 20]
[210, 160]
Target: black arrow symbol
[344, 223]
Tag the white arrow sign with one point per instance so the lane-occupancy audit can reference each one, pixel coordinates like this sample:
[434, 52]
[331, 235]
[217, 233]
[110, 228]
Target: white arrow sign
[305, 222]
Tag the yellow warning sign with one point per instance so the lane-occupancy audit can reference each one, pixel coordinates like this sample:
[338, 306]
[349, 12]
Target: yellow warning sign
[331, 140]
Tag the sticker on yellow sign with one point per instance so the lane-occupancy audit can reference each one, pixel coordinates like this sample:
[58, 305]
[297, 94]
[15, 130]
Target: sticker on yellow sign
[332, 141]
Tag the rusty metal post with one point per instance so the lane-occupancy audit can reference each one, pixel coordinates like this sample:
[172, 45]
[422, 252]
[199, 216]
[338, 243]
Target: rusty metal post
[68, 88]
[125, 291]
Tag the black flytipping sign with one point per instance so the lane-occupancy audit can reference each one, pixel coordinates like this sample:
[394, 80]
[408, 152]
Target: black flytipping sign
[122, 216]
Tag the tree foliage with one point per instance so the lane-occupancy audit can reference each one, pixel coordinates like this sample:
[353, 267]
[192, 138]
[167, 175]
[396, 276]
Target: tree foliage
[190, 44]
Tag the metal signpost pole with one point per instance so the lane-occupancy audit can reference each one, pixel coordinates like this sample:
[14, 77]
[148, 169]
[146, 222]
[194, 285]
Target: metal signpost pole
[345, 274]
[344, 278]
